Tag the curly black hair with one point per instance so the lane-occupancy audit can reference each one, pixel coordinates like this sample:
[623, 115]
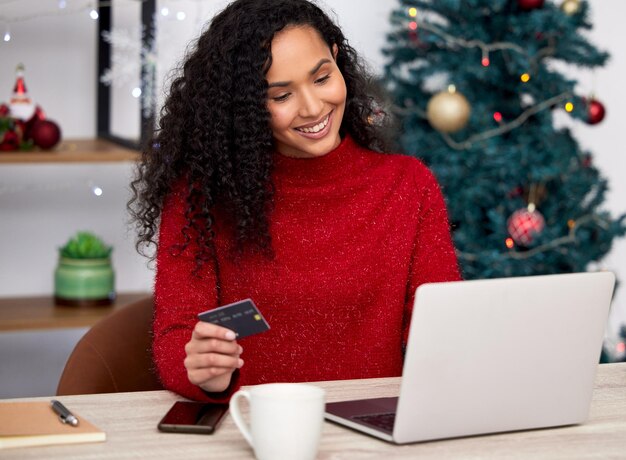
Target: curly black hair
[214, 130]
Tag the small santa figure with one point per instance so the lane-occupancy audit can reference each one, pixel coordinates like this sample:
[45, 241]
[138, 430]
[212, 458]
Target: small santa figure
[21, 106]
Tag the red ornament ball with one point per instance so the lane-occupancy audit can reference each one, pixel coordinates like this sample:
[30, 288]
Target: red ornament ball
[595, 112]
[45, 134]
[38, 116]
[524, 225]
[9, 140]
[528, 5]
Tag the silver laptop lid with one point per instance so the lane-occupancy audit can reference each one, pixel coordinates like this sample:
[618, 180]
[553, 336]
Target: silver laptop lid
[499, 355]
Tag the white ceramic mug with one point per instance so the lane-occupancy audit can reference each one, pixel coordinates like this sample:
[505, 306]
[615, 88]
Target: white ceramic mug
[285, 420]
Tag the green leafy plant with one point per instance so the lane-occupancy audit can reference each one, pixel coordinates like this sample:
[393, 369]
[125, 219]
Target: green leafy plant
[85, 245]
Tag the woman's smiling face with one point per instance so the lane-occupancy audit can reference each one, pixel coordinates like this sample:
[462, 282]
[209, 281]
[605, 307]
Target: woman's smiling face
[306, 94]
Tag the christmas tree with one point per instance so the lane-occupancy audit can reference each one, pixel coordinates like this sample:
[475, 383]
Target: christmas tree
[475, 86]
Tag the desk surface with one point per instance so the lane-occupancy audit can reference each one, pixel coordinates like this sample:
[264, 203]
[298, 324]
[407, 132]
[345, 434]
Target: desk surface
[24, 313]
[130, 420]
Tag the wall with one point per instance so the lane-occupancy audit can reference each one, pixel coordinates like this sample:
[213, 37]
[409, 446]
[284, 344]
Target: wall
[41, 205]
[605, 140]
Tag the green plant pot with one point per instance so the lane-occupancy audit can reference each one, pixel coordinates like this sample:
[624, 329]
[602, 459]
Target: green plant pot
[84, 282]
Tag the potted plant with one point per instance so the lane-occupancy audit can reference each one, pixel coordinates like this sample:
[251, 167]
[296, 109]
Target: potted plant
[84, 275]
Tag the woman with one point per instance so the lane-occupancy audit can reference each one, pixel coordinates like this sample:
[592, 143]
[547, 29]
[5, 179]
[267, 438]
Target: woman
[265, 182]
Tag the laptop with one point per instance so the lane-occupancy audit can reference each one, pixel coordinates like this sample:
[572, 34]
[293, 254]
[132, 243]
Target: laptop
[490, 356]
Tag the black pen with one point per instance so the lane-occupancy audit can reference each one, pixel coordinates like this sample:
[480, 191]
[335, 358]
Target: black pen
[64, 414]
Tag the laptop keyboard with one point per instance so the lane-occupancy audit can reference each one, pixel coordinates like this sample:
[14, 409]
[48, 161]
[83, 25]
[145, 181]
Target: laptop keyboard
[383, 421]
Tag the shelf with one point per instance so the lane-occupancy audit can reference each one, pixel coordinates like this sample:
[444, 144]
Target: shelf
[29, 313]
[74, 151]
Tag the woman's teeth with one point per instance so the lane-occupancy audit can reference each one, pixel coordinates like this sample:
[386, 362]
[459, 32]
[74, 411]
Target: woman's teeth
[317, 128]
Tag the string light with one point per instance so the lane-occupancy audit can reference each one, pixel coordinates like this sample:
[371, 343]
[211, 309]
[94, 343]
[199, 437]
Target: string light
[165, 11]
[570, 238]
[181, 15]
[413, 25]
[454, 42]
[503, 128]
[485, 60]
[497, 116]
[488, 47]
[412, 12]
[571, 223]
[509, 243]
[136, 92]
[569, 107]
[65, 8]
[7, 36]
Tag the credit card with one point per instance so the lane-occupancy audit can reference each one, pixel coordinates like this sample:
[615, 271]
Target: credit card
[243, 317]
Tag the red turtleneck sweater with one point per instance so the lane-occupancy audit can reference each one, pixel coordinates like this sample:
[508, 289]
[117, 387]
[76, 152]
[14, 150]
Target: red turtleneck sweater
[354, 234]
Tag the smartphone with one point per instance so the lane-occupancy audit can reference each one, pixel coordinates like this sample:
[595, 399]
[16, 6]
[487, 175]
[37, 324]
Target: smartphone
[193, 417]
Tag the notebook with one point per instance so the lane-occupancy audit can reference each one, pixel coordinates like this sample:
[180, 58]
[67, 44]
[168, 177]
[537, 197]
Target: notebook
[36, 424]
[490, 356]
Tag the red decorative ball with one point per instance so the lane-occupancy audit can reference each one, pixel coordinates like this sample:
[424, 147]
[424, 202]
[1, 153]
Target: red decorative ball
[524, 225]
[595, 112]
[528, 5]
[9, 140]
[38, 116]
[45, 134]
[4, 110]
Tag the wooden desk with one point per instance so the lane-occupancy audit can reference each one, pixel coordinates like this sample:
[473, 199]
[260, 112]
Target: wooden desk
[130, 420]
[27, 313]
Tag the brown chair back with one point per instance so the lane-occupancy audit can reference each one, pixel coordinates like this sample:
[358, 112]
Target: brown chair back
[114, 355]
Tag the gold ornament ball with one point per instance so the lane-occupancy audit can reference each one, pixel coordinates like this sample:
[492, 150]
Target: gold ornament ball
[570, 7]
[448, 111]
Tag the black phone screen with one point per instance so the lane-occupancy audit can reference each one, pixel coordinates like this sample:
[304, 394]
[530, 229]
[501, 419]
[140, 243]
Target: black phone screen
[193, 417]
